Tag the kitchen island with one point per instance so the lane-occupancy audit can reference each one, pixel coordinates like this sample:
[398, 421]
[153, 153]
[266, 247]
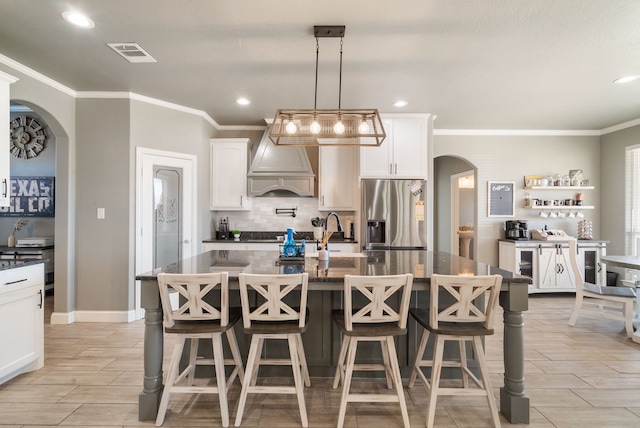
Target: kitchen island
[326, 278]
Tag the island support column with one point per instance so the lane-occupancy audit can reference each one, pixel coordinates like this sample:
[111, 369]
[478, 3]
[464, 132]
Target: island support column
[149, 398]
[514, 404]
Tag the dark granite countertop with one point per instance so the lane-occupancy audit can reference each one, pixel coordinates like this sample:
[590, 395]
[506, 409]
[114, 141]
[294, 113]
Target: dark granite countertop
[422, 264]
[7, 249]
[12, 264]
[271, 237]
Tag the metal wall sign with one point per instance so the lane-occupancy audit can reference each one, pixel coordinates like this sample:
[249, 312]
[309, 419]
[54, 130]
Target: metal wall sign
[30, 197]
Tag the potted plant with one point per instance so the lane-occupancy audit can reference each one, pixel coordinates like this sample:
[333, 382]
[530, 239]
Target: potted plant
[236, 234]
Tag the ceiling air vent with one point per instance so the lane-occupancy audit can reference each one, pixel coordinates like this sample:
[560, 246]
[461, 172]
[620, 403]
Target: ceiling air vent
[132, 52]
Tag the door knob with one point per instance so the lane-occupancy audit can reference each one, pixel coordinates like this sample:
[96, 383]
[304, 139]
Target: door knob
[186, 241]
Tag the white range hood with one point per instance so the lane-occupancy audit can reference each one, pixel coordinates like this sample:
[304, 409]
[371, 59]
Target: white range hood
[280, 171]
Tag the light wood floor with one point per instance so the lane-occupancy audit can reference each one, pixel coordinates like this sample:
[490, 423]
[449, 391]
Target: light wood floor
[583, 376]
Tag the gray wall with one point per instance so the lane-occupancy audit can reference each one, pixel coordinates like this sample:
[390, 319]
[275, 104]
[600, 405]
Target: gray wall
[612, 165]
[103, 181]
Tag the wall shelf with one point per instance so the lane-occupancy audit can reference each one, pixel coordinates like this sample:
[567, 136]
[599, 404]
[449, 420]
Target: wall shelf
[560, 188]
[561, 207]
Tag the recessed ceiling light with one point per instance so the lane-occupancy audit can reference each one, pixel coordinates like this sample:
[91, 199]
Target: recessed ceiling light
[400, 103]
[627, 79]
[243, 101]
[78, 19]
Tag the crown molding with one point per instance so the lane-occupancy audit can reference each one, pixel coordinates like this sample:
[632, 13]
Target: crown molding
[517, 132]
[36, 75]
[620, 126]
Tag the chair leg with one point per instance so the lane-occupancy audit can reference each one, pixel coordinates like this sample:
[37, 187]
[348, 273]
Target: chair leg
[193, 355]
[218, 358]
[397, 379]
[628, 317]
[341, 361]
[254, 379]
[235, 352]
[251, 366]
[172, 374]
[419, 355]
[346, 382]
[577, 305]
[303, 361]
[484, 371]
[438, 350]
[298, 376]
[463, 363]
[385, 360]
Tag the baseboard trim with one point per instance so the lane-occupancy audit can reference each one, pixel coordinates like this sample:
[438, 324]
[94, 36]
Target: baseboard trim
[93, 316]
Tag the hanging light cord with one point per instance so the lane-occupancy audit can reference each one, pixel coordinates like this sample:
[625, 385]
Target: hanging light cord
[340, 84]
[315, 100]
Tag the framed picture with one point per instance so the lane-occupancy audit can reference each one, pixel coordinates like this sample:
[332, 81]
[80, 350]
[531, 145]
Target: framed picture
[501, 201]
[31, 197]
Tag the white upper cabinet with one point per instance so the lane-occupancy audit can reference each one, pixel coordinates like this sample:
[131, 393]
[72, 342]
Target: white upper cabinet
[337, 186]
[5, 157]
[229, 160]
[403, 154]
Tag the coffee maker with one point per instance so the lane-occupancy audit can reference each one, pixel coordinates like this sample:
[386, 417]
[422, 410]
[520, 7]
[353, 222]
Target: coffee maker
[517, 230]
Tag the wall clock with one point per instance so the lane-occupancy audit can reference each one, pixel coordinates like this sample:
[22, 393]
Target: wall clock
[27, 137]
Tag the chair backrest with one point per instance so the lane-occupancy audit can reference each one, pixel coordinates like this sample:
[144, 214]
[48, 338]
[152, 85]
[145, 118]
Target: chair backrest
[271, 290]
[192, 288]
[377, 289]
[466, 293]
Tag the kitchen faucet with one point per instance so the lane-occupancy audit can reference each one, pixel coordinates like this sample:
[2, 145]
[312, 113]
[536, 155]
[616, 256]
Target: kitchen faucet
[326, 223]
[326, 226]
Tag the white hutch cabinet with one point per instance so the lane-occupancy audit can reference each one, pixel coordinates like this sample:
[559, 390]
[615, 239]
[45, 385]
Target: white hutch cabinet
[548, 265]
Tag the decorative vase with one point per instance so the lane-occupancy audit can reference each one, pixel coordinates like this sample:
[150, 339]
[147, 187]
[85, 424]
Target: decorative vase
[12, 240]
[236, 236]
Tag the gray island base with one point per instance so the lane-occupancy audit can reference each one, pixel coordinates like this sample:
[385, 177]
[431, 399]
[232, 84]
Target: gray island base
[322, 339]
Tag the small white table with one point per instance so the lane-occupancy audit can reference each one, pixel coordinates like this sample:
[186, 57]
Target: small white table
[465, 242]
[628, 262]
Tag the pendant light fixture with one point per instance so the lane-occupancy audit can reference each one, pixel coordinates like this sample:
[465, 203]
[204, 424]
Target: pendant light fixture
[322, 127]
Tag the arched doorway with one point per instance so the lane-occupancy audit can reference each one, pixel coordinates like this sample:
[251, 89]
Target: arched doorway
[62, 229]
[455, 203]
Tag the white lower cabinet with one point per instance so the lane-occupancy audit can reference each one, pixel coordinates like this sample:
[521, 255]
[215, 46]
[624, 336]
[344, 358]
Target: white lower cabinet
[548, 264]
[22, 320]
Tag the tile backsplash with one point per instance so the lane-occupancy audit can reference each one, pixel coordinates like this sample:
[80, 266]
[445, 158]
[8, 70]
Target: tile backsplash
[263, 217]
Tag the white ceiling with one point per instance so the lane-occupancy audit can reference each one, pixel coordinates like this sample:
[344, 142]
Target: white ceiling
[481, 64]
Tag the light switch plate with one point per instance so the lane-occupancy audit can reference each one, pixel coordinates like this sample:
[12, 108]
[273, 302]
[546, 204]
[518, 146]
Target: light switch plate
[101, 213]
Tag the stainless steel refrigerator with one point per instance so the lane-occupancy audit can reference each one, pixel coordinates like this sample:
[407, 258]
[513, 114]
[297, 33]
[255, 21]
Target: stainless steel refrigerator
[393, 214]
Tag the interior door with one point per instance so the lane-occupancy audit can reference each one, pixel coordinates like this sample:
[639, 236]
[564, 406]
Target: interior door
[166, 210]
